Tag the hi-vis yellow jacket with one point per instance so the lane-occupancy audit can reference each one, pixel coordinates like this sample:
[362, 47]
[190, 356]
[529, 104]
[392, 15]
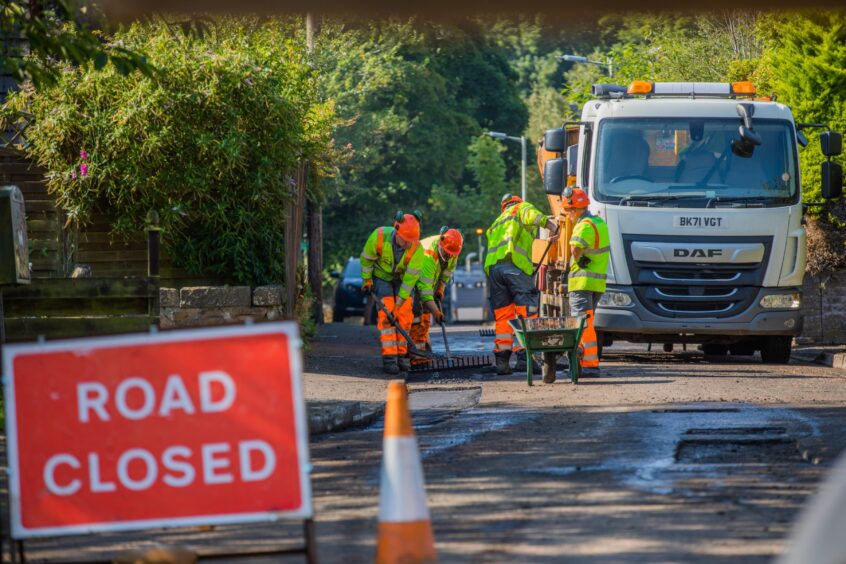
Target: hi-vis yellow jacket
[433, 273]
[512, 234]
[377, 259]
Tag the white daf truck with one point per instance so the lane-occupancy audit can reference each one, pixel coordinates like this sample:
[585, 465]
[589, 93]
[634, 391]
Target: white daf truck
[700, 186]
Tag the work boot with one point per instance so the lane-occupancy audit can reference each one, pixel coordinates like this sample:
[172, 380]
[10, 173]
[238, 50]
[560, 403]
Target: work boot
[503, 367]
[589, 372]
[520, 365]
[389, 364]
[404, 363]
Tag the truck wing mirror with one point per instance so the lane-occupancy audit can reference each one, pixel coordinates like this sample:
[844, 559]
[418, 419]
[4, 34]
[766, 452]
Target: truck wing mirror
[555, 140]
[832, 180]
[831, 143]
[749, 138]
[553, 176]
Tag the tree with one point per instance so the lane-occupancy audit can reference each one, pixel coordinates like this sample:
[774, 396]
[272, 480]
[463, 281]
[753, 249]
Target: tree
[410, 97]
[41, 39]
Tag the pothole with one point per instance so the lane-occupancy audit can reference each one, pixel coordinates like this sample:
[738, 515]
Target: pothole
[737, 431]
[738, 451]
[697, 410]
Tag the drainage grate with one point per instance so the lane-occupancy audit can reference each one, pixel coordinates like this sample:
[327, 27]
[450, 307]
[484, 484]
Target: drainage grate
[738, 431]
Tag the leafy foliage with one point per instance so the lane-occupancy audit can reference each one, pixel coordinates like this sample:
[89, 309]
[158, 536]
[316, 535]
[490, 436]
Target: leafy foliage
[49, 38]
[210, 144]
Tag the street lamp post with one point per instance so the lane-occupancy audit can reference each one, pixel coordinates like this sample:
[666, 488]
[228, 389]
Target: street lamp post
[522, 140]
[608, 64]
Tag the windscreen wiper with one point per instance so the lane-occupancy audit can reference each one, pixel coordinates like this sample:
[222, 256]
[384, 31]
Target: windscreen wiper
[746, 199]
[648, 199]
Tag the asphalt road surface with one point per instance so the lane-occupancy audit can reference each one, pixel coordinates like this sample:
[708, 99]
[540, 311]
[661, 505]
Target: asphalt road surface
[668, 457]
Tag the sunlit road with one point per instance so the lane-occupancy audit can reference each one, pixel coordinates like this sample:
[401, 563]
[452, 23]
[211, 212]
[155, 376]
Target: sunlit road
[665, 458]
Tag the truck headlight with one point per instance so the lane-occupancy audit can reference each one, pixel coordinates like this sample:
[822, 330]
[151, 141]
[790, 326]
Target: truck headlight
[782, 301]
[615, 299]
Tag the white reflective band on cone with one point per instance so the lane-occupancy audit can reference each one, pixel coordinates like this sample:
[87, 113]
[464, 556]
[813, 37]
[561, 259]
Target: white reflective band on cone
[402, 496]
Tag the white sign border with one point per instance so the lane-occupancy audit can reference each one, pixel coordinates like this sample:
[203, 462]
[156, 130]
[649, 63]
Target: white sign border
[288, 328]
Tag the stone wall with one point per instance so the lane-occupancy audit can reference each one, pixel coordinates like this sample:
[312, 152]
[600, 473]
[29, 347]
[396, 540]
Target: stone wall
[219, 305]
[824, 308]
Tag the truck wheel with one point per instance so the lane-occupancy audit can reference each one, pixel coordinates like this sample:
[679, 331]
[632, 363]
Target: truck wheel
[337, 316]
[549, 359]
[600, 343]
[712, 349]
[776, 350]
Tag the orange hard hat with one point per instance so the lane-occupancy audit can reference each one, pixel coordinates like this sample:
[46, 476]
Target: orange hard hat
[508, 199]
[574, 198]
[407, 226]
[450, 241]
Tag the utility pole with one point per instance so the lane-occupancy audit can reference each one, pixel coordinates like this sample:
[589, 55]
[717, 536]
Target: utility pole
[315, 214]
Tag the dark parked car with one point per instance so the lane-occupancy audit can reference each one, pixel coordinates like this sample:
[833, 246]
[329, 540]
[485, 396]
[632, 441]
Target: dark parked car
[349, 299]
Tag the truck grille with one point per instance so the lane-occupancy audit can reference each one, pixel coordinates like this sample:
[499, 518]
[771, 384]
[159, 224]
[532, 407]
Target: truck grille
[696, 290]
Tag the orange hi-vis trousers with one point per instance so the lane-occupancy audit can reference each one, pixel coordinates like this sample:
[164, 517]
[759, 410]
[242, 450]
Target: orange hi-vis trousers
[392, 342]
[504, 340]
[513, 293]
[588, 346]
[420, 331]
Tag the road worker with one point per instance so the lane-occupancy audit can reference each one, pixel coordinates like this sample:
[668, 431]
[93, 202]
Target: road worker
[390, 265]
[589, 249]
[510, 270]
[440, 256]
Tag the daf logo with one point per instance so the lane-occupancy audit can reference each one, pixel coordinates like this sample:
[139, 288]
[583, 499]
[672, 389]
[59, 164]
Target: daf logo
[697, 253]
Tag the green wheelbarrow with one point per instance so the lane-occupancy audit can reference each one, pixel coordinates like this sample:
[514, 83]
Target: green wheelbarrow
[551, 336]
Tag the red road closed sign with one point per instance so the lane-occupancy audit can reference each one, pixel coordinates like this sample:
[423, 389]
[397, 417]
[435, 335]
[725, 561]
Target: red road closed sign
[157, 430]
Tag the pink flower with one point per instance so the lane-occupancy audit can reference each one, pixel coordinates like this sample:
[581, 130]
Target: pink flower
[83, 155]
[73, 174]
[83, 170]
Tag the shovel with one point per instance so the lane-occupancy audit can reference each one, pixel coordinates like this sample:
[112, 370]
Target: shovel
[443, 332]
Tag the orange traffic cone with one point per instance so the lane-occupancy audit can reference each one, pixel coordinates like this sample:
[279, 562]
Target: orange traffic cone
[405, 531]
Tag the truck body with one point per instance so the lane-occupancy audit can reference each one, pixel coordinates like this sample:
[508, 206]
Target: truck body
[707, 237]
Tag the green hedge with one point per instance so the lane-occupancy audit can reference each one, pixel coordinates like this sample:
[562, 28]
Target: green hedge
[210, 142]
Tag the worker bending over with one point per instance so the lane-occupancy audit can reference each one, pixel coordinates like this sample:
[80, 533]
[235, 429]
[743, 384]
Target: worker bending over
[509, 268]
[440, 255]
[589, 249]
[390, 265]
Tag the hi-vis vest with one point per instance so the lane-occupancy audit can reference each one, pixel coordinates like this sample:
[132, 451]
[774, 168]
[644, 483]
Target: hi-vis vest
[432, 274]
[377, 259]
[590, 234]
[511, 235]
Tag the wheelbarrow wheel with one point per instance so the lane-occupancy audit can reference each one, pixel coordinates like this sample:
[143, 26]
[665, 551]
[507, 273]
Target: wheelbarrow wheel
[549, 359]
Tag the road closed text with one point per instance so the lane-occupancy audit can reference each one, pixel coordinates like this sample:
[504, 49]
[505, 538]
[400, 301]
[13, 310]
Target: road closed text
[177, 466]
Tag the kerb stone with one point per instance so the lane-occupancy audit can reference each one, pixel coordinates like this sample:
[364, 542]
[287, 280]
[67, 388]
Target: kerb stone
[267, 296]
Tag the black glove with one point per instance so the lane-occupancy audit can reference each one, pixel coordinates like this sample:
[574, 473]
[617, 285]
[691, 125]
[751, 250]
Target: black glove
[583, 262]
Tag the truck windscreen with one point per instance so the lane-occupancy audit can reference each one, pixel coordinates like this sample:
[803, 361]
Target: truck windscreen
[689, 162]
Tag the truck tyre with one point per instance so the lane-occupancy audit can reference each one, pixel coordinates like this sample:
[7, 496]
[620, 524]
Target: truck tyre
[549, 360]
[776, 350]
[337, 316]
[742, 349]
[712, 349]
[600, 343]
